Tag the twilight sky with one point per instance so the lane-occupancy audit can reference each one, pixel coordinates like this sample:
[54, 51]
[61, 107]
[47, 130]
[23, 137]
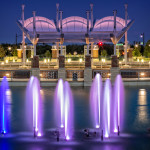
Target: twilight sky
[10, 11]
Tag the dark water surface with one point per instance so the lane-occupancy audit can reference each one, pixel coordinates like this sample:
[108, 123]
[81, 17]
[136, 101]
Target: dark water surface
[136, 120]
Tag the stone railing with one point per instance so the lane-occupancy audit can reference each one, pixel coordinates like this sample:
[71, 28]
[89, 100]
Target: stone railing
[15, 74]
[48, 74]
[104, 73]
[75, 75]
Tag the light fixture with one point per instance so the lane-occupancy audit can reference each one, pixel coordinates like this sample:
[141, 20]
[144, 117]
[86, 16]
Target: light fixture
[69, 60]
[7, 74]
[9, 48]
[80, 59]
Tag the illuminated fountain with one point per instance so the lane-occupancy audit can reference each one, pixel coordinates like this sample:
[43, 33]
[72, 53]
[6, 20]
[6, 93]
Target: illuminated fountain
[118, 103]
[96, 100]
[107, 108]
[59, 103]
[34, 106]
[4, 104]
[64, 108]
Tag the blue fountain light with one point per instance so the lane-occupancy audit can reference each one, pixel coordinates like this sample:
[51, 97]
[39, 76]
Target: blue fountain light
[4, 118]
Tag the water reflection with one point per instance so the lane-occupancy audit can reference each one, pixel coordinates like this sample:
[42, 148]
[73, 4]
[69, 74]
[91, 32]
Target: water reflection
[142, 111]
[142, 100]
[42, 93]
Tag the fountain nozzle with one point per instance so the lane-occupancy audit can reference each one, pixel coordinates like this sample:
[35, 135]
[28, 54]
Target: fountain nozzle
[35, 132]
[102, 137]
[2, 132]
[118, 131]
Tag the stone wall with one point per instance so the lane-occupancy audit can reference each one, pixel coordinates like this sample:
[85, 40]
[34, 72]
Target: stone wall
[62, 73]
[114, 72]
[87, 77]
[35, 72]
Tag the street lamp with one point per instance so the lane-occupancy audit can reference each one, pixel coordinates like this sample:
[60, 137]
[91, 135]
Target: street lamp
[9, 48]
[6, 61]
[69, 60]
[142, 36]
[80, 60]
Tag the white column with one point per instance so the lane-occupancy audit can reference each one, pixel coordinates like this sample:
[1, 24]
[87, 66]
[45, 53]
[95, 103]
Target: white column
[23, 38]
[57, 47]
[92, 44]
[115, 49]
[126, 36]
[87, 49]
[34, 31]
[91, 5]
[87, 13]
[34, 45]
[115, 14]
[57, 15]
[61, 51]
[61, 12]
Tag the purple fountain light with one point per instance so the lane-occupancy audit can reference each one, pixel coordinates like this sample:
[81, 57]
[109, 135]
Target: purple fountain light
[118, 103]
[34, 106]
[107, 108]
[64, 108]
[4, 104]
[68, 111]
[96, 100]
[59, 103]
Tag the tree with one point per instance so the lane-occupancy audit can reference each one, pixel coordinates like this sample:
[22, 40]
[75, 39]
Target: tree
[28, 54]
[147, 49]
[136, 51]
[41, 49]
[104, 53]
[14, 51]
[47, 54]
[2, 52]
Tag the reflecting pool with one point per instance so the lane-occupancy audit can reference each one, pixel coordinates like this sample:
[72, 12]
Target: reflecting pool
[136, 119]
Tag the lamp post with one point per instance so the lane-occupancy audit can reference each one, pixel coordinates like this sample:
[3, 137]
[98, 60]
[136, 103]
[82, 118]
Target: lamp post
[126, 35]
[9, 49]
[142, 36]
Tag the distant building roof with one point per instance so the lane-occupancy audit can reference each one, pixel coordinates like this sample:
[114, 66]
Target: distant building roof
[74, 29]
